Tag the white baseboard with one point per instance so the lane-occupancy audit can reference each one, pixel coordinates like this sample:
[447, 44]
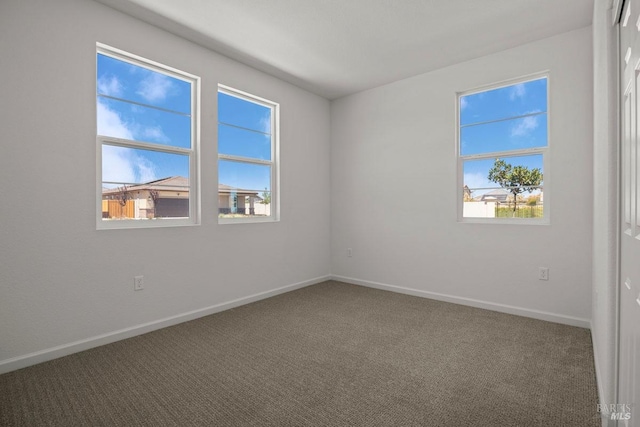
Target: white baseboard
[519, 311]
[20, 362]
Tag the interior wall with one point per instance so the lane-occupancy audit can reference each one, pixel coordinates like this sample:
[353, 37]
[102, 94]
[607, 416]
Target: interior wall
[605, 161]
[394, 191]
[64, 282]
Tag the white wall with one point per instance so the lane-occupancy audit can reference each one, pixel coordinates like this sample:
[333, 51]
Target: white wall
[397, 142]
[61, 281]
[605, 225]
[65, 286]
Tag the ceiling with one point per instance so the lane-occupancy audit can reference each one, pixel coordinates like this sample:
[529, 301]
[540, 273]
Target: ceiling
[338, 47]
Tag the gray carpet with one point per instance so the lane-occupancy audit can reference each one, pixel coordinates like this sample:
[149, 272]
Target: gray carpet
[331, 354]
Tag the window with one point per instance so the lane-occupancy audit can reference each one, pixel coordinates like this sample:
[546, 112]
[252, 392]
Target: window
[147, 142]
[502, 152]
[247, 157]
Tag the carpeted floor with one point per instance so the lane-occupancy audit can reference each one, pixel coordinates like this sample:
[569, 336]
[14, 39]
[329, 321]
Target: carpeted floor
[331, 354]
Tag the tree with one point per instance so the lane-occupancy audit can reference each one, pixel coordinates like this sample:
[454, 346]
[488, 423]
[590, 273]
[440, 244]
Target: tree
[154, 194]
[516, 179]
[466, 194]
[266, 197]
[123, 195]
[533, 200]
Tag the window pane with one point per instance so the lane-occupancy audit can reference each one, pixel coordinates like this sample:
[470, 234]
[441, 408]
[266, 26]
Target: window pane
[245, 143]
[130, 121]
[510, 101]
[240, 112]
[151, 175]
[143, 184]
[245, 176]
[491, 195]
[132, 82]
[122, 165]
[515, 134]
[244, 189]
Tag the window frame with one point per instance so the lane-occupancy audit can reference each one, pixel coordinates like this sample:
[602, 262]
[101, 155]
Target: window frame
[274, 163]
[505, 154]
[193, 152]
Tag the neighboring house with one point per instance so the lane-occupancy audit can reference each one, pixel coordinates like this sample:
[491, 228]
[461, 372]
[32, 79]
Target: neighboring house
[169, 198]
[162, 198]
[499, 195]
[233, 200]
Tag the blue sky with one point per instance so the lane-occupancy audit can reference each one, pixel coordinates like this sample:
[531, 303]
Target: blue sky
[487, 126]
[140, 104]
[244, 130]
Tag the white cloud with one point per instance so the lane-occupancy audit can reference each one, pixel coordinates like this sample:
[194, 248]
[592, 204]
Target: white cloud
[517, 91]
[155, 87]
[146, 170]
[120, 164]
[525, 126]
[109, 86]
[463, 103]
[154, 133]
[265, 124]
[116, 166]
[111, 124]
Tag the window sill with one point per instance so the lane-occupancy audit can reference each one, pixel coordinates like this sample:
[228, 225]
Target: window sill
[128, 224]
[224, 221]
[505, 221]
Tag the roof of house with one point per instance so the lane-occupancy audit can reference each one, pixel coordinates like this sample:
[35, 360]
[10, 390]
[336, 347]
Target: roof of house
[223, 188]
[499, 194]
[176, 183]
[172, 183]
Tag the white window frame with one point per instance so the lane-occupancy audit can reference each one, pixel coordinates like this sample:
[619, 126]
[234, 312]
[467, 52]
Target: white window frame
[274, 162]
[506, 154]
[192, 153]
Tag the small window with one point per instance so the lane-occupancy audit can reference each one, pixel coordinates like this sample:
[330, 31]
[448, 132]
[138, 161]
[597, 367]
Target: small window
[146, 142]
[247, 157]
[502, 152]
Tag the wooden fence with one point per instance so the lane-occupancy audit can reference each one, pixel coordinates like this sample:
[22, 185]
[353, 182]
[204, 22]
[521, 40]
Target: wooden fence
[113, 209]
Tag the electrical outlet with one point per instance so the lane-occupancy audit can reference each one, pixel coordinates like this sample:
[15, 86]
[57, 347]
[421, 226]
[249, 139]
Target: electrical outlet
[138, 283]
[543, 273]
[349, 252]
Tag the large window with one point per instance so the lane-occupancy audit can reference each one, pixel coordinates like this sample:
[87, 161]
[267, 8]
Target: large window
[147, 142]
[502, 152]
[247, 157]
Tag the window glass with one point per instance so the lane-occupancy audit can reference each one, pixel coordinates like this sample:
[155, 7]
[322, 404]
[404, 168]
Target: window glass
[145, 138]
[247, 178]
[505, 102]
[244, 143]
[131, 82]
[503, 140]
[140, 123]
[237, 111]
[504, 135]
